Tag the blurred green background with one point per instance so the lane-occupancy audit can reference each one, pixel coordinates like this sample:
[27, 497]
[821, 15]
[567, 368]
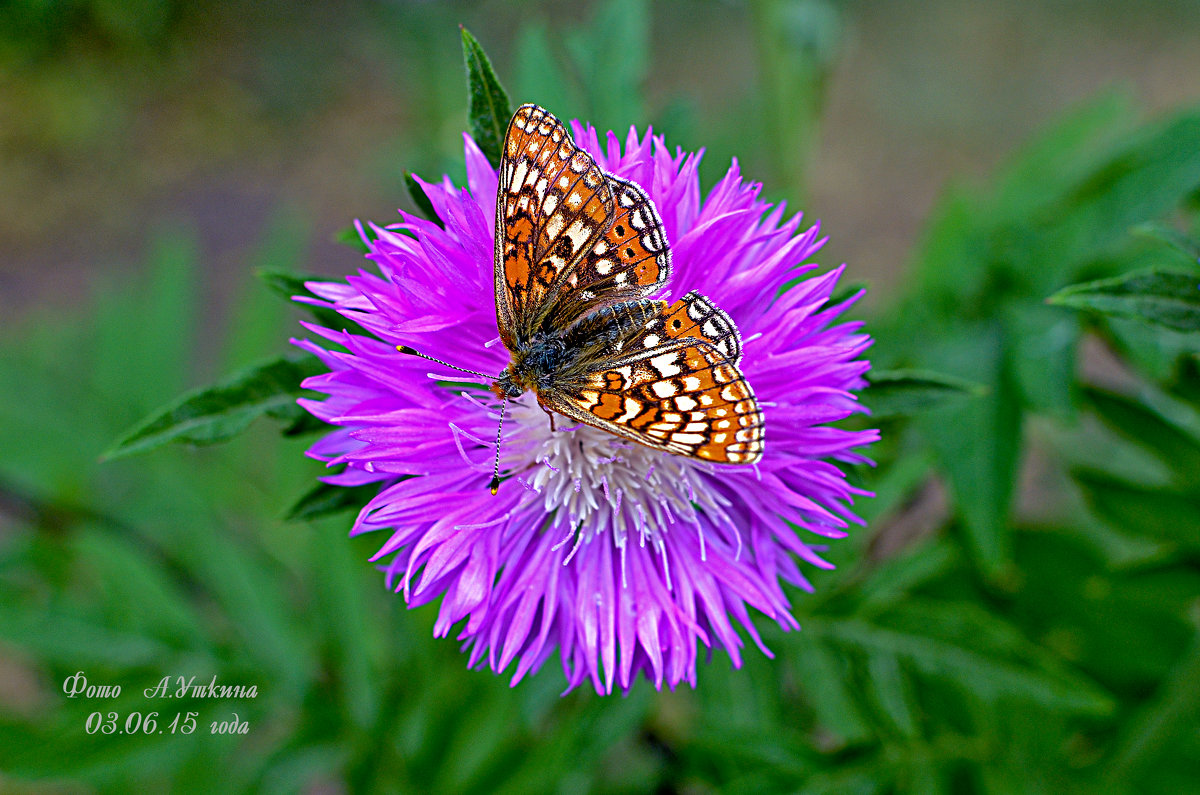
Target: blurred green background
[1022, 613]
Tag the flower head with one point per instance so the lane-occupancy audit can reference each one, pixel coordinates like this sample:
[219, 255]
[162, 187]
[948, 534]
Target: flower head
[622, 558]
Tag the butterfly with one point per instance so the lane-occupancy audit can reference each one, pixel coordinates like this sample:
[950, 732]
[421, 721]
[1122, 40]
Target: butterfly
[577, 253]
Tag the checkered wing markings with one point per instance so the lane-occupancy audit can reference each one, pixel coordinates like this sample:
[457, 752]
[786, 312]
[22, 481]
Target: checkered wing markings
[552, 205]
[676, 388]
[692, 317]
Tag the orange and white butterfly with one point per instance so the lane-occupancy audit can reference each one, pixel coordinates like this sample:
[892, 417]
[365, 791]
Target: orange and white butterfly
[577, 253]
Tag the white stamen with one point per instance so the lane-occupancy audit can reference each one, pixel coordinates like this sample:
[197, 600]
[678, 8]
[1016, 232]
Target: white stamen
[591, 482]
[503, 518]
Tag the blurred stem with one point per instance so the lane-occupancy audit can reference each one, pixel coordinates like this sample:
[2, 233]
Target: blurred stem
[796, 42]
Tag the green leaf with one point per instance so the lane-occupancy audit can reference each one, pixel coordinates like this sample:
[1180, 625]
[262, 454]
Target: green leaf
[1185, 245]
[1159, 513]
[325, 499]
[220, 412]
[1044, 344]
[1154, 296]
[902, 393]
[825, 676]
[900, 574]
[843, 292]
[978, 442]
[891, 691]
[489, 111]
[968, 661]
[288, 285]
[421, 199]
[1172, 712]
[1148, 429]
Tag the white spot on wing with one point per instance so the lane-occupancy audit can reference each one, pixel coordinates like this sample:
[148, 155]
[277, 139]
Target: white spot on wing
[666, 365]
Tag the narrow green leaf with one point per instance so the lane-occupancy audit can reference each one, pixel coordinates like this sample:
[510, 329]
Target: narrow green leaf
[220, 412]
[421, 199]
[1155, 296]
[978, 442]
[978, 672]
[901, 393]
[825, 678]
[892, 692]
[1148, 429]
[843, 291]
[489, 110]
[325, 499]
[1185, 245]
[1172, 713]
[897, 576]
[1044, 345]
[1159, 513]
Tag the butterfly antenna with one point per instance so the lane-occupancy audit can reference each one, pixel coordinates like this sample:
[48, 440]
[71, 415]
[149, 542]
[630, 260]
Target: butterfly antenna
[414, 352]
[495, 484]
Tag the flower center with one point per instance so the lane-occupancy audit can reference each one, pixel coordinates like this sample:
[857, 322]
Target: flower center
[589, 480]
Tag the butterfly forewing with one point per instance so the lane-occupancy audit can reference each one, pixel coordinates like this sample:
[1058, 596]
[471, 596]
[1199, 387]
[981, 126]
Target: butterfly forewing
[631, 260]
[552, 205]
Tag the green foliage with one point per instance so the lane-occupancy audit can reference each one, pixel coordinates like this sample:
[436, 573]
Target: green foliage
[1020, 616]
[489, 110]
[220, 412]
[903, 393]
[1156, 296]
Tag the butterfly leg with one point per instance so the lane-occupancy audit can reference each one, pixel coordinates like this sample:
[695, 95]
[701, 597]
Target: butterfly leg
[549, 414]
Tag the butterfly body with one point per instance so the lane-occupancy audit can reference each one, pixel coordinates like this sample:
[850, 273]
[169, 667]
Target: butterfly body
[562, 359]
[578, 253]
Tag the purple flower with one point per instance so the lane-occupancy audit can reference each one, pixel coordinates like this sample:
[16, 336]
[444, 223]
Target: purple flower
[623, 559]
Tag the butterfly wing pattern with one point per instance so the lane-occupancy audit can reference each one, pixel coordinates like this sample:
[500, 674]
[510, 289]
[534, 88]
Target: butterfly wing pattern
[577, 252]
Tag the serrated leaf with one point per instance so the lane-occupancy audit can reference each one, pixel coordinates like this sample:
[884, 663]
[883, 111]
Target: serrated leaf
[220, 412]
[1154, 296]
[421, 199]
[489, 110]
[902, 393]
[325, 499]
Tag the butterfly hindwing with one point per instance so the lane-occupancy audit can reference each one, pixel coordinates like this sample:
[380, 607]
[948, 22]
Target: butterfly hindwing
[674, 387]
